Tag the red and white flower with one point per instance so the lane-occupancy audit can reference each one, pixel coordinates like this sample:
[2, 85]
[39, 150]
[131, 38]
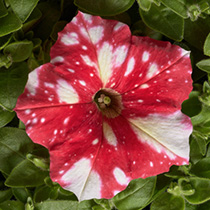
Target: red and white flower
[108, 107]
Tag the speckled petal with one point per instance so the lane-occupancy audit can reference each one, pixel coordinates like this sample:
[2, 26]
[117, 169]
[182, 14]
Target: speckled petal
[50, 86]
[164, 93]
[91, 41]
[50, 126]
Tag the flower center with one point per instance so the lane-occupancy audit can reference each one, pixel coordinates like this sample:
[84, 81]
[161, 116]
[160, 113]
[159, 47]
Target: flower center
[109, 102]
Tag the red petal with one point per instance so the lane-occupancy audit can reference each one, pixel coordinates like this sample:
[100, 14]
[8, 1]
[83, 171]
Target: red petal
[101, 167]
[93, 44]
[164, 93]
[51, 126]
[93, 156]
[49, 86]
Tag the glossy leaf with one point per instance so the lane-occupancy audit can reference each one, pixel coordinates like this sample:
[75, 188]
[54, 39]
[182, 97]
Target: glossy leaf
[178, 6]
[104, 7]
[5, 195]
[21, 194]
[207, 46]
[198, 28]
[19, 51]
[192, 106]
[165, 21]
[20, 177]
[14, 144]
[12, 205]
[201, 187]
[12, 83]
[3, 10]
[204, 65]
[4, 41]
[144, 4]
[55, 205]
[202, 168]
[23, 8]
[136, 195]
[5, 116]
[195, 153]
[9, 24]
[168, 202]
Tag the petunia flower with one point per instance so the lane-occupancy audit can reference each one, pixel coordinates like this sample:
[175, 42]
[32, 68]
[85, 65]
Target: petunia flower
[108, 107]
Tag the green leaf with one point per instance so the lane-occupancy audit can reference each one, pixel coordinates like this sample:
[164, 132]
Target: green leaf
[201, 187]
[195, 154]
[45, 193]
[21, 194]
[14, 144]
[26, 174]
[136, 195]
[162, 19]
[9, 24]
[3, 10]
[204, 65]
[104, 7]
[57, 205]
[168, 202]
[5, 116]
[192, 106]
[4, 41]
[202, 168]
[193, 30]
[12, 205]
[32, 19]
[23, 8]
[190, 206]
[144, 4]
[12, 83]
[206, 48]
[5, 195]
[19, 51]
[178, 6]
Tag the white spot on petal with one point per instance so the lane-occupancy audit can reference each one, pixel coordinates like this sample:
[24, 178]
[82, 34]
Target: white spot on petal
[55, 131]
[145, 56]
[66, 92]
[140, 101]
[87, 17]
[84, 47]
[151, 164]
[130, 66]
[96, 33]
[153, 70]
[57, 59]
[144, 86]
[27, 111]
[120, 176]
[83, 83]
[33, 82]
[86, 184]
[118, 26]
[70, 39]
[46, 84]
[35, 120]
[105, 62]
[109, 134]
[120, 55]
[94, 142]
[87, 60]
[42, 120]
[170, 80]
[66, 120]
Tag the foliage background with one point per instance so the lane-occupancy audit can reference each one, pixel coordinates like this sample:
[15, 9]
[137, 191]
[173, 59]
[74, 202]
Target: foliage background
[28, 28]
